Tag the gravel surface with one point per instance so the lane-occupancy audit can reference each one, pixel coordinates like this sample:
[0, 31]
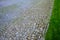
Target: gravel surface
[24, 20]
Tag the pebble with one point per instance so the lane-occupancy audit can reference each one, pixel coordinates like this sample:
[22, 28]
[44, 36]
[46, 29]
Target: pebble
[36, 30]
[41, 29]
[34, 23]
[33, 35]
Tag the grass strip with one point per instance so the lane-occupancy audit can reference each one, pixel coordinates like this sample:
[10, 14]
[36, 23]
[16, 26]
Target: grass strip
[53, 32]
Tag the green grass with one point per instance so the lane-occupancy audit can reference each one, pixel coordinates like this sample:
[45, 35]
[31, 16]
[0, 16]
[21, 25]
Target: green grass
[53, 32]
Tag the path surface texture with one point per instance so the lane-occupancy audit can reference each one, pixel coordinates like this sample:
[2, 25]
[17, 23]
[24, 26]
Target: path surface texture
[24, 19]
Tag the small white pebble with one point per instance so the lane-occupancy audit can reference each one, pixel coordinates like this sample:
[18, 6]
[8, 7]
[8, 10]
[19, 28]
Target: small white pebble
[28, 37]
[23, 24]
[5, 32]
[39, 36]
[20, 34]
[16, 32]
[37, 30]
[32, 39]
[33, 35]
[32, 16]
[41, 29]
[10, 38]
[34, 23]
